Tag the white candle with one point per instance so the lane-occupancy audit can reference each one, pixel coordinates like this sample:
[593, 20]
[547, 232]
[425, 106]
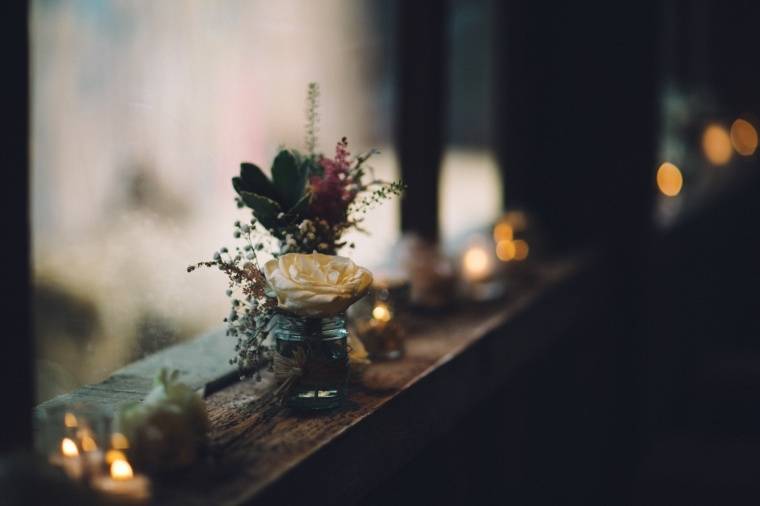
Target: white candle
[123, 484]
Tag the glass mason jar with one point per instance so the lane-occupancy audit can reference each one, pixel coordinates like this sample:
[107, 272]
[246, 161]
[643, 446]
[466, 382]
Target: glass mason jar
[374, 319]
[311, 363]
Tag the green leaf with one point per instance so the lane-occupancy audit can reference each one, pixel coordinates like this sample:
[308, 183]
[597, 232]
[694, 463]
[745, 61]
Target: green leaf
[239, 185]
[289, 180]
[253, 180]
[297, 210]
[265, 209]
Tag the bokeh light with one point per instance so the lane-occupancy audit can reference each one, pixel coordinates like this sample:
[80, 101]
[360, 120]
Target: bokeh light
[69, 447]
[744, 137]
[381, 313]
[476, 262]
[503, 232]
[121, 470]
[669, 179]
[88, 443]
[521, 249]
[716, 144]
[505, 250]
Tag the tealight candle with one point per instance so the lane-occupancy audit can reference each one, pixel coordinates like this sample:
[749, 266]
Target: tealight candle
[123, 484]
[73, 437]
[92, 455]
[476, 263]
[381, 315]
[69, 459]
[480, 270]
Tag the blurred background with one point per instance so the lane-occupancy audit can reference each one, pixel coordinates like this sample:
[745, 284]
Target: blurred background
[628, 129]
[141, 115]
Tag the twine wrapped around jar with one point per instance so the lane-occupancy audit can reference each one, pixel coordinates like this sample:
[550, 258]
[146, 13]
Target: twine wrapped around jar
[311, 363]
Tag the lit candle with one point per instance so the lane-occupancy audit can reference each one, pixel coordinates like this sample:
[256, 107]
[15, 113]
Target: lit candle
[122, 483]
[69, 459]
[476, 263]
[92, 455]
[381, 315]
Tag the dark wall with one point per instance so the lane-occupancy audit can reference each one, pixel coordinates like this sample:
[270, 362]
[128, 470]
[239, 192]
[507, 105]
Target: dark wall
[16, 355]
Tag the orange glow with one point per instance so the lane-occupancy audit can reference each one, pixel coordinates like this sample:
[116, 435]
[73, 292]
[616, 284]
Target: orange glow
[669, 179]
[521, 249]
[69, 448]
[88, 443]
[744, 137]
[716, 144]
[114, 455]
[505, 250]
[70, 420]
[381, 313]
[119, 441]
[121, 470]
[503, 232]
[476, 262]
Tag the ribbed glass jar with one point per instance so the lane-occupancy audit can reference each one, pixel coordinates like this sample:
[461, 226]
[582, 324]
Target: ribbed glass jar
[312, 360]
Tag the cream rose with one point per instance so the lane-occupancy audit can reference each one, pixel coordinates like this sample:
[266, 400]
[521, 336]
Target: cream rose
[315, 284]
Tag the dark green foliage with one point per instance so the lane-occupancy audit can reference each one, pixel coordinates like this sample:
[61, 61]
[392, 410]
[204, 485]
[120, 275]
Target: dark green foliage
[266, 210]
[289, 179]
[282, 200]
[254, 180]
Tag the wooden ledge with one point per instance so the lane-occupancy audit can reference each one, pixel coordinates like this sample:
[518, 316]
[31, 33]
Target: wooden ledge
[453, 361]
[203, 364]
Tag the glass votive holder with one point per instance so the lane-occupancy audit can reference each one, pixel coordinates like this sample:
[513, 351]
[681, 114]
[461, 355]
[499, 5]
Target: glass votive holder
[73, 437]
[481, 274]
[375, 319]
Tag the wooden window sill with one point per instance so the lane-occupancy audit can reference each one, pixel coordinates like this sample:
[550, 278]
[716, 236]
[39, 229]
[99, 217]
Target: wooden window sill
[453, 360]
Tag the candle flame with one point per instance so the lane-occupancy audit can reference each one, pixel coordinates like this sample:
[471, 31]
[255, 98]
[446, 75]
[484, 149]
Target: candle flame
[121, 470]
[88, 443]
[476, 262]
[69, 448]
[119, 441]
[70, 420]
[381, 313]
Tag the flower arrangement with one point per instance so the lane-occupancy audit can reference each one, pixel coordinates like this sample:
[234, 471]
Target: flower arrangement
[168, 429]
[300, 216]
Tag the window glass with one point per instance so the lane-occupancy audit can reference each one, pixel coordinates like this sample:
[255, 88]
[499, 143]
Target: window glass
[141, 114]
[470, 177]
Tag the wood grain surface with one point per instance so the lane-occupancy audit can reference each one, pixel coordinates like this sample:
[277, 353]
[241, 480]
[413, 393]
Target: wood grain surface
[263, 454]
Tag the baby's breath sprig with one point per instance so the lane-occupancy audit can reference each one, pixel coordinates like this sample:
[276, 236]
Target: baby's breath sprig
[251, 306]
